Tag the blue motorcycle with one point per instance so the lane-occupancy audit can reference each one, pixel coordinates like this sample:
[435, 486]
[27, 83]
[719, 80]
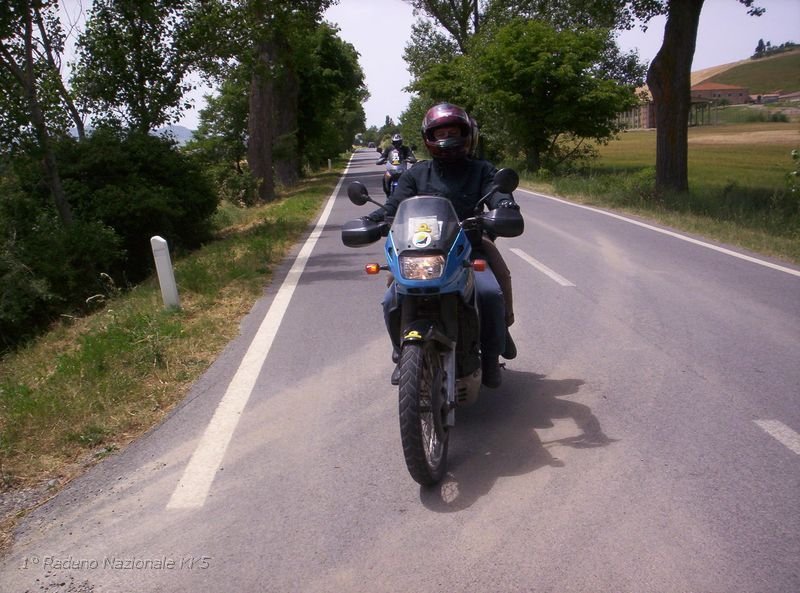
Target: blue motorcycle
[435, 322]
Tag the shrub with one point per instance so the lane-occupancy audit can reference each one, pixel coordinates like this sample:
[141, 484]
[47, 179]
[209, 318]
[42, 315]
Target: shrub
[139, 185]
[47, 269]
[123, 189]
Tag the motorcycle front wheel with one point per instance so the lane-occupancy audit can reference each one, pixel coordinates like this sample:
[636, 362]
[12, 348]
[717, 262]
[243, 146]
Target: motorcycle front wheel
[423, 409]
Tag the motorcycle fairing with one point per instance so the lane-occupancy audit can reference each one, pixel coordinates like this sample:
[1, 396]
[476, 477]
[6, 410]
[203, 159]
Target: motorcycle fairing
[394, 164]
[429, 225]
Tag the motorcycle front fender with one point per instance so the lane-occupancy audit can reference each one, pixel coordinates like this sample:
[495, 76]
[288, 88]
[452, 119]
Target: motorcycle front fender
[424, 330]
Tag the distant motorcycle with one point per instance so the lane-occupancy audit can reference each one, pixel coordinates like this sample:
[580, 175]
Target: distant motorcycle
[436, 326]
[395, 167]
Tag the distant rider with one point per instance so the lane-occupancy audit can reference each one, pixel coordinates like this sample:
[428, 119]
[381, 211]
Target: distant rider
[404, 153]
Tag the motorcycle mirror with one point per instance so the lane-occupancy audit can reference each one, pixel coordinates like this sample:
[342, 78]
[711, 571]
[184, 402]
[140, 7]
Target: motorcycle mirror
[379, 150]
[414, 147]
[358, 194]
[506, 180]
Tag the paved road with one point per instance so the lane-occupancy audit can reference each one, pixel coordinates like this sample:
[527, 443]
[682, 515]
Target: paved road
[644, 440]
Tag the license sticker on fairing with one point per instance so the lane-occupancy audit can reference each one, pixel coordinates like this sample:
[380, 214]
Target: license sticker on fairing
[421, 240]
[424, 230]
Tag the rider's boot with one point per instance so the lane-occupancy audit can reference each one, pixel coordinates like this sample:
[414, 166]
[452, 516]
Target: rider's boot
[490, 375]
[510, 350]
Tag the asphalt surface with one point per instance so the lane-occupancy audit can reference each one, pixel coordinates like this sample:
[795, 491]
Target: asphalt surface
[644, 440]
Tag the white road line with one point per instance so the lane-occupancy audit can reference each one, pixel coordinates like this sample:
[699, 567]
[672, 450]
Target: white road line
[782, 433]
[192, 490]
[541, 267]
[754, 260]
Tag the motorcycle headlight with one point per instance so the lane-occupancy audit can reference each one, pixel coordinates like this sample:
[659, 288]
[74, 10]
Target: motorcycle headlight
[421, 267]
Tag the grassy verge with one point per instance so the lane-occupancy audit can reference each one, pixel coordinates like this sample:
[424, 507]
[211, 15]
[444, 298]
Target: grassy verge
[92, 385]
[738, 179]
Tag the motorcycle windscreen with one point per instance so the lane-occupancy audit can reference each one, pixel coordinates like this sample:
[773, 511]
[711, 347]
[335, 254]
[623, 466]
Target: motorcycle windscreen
[425, 222]
[394, 164]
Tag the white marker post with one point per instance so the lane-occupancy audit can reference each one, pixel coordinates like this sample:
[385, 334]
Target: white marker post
[166, 277]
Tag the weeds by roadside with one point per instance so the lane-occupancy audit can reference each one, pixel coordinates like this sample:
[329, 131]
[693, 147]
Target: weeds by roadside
[93, 384]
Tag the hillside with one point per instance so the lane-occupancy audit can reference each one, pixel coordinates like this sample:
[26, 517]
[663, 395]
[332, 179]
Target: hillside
[699, 76]
[780, 72]
[775, 73]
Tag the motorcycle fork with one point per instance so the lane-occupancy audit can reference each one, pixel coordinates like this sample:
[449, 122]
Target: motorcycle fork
[435, 318]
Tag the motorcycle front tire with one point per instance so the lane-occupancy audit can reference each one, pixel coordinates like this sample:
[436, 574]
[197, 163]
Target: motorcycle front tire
[422, 412]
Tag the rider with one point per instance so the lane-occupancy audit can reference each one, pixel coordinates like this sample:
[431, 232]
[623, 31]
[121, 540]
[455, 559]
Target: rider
[448, 135]
[404, 154]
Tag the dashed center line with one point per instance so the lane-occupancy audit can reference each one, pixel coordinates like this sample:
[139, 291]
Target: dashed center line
[541, 267]
[782, 433]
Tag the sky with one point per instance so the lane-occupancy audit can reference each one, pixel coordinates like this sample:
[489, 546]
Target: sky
[380, 29]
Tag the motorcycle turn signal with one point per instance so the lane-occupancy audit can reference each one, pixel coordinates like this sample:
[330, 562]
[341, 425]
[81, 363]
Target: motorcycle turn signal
[479, 265]
[374, 268]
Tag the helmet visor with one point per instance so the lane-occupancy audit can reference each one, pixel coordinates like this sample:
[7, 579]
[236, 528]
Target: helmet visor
[445, 132]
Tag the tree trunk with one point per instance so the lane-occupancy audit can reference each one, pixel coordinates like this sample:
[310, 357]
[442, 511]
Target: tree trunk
[51, 166]
[669, 80]
[65, 95]
[533, 159]
[259, 126]
[285, 146]
[26, 77]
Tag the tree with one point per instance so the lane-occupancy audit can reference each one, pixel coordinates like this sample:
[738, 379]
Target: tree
[669, 80]
[460, 18]
[30, 38]
[456, 22]
[332, 91]
[668, 75]
[539, 91]
[220, 141]
[257, 36]
[131, 67]
[440, 61]
[427, 47]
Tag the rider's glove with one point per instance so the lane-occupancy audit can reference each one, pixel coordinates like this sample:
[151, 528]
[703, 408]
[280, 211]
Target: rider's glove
[372, 218]
[508, 204]
[380, 161]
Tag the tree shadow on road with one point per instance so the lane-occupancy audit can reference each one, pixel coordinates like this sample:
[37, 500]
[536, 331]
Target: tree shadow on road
[496, 437]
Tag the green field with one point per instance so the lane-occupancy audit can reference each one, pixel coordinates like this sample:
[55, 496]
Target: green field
[757, 155]
[739, 185]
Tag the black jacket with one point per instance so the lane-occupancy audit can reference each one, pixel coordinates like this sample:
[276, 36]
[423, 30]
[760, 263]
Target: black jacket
[463, 183]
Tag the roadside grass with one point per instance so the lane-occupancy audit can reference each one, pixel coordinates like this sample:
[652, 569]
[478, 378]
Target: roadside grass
[92, 385]
[738, 179]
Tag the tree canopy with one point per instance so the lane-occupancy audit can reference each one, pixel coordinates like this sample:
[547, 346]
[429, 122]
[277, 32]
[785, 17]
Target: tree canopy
[541, 77]
[131, 67]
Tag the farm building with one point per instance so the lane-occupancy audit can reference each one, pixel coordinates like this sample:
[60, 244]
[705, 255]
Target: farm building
[703, 96]
[717, 92]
